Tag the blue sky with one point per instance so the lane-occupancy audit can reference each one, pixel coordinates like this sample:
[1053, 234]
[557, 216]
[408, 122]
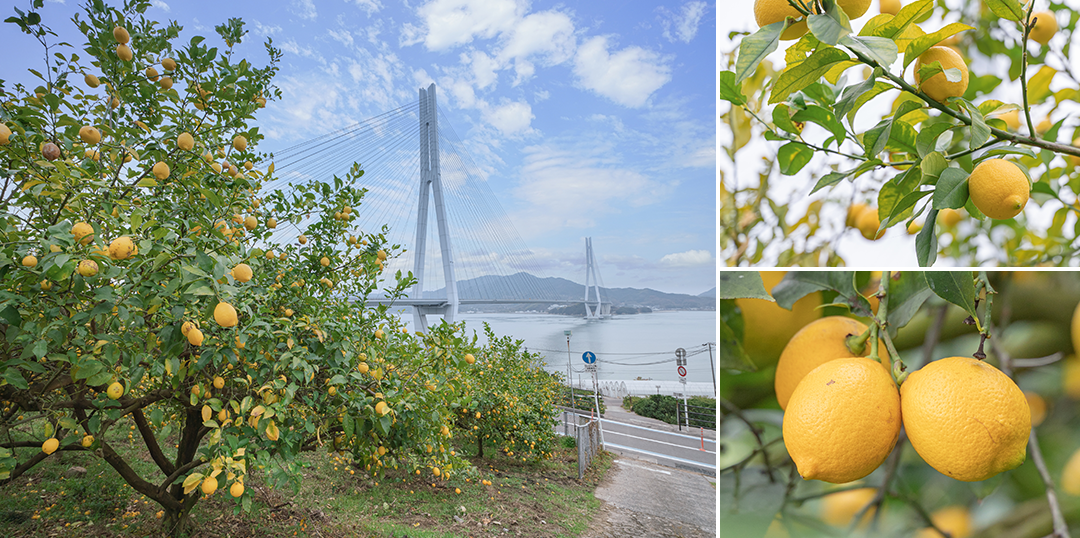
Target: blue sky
[588, 119]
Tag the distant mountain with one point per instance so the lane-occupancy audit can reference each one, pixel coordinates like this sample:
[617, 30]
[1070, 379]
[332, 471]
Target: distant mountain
[710, 293]
[560, 289]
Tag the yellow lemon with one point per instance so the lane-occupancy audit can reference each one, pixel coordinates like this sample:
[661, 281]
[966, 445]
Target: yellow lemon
[381, 408]
[955, 520]
[1045, 27]
[838, 509]
[87, 268]
[87, 441]
[1070, 475]
[219, 382]
[768, 327]
[185, 327]
[91, 80]
[50, 445]
[242, 272]
[250, 222]
[868, 224]
[185, 141]
[169, 64]
[124, 53]
[842, 421]
[469, 358]
[767, 12]
[914, 227]
[115, 391]
[854, 8]
[166, 82]
[302, 239]
[891, 7]
[949, 217]
[225, 315]
[966, 418]
[853, 212]
[151, 74]
[239, 143]
[938, 87]
[209, 485]
[89, 134]
[1011, 119]
[237, 489]
[998, 188]
[1037, 405]
[29, 261]
[122, 248]
[83, 232]
[325, 262]
[818, 342]
[195, 337]
[120, 34]
[271, 223]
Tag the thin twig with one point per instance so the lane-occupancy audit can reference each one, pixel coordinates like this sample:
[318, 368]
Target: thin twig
[879, 496]
[1028, 23]
[753, 429]
[1041, 361]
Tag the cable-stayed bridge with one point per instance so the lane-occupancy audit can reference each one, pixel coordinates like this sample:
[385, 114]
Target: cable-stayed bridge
[436, 201]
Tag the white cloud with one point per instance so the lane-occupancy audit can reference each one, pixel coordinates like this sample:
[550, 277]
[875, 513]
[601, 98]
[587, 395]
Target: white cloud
[548, 35]
[370, 6]
[510, 118]
[688, 258]
[292, 47]
[158, 4]
[684, 24]
[342, 36]
[263, 29]
[455, 22]
[305, 9]
[483, 68]
[627, 77]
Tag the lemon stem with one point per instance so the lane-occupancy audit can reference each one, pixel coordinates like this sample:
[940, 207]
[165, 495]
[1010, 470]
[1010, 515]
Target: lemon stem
[881, 323]
[799, 6]
[856, 343]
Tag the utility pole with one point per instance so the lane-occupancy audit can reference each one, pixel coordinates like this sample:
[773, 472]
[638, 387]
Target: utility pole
[569, 379]
[713, 368]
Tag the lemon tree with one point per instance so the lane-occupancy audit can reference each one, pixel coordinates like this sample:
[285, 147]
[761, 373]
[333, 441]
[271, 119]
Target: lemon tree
[145, 290]
[945, 120]
[912, 399]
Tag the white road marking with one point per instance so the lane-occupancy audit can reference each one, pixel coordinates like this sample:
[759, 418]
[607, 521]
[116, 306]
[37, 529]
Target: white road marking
[640, 467]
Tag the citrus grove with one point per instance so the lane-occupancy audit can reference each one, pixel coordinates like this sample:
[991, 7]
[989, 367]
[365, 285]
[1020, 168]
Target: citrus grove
[900, 403]
[146, 297]
[952, 122]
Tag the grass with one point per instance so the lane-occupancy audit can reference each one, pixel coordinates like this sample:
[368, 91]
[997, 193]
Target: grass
[526, 499]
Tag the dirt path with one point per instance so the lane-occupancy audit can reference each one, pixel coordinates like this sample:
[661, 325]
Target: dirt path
[645, 499]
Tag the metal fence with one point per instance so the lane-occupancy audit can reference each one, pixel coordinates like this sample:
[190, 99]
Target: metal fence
[586, 432]
[695, 416]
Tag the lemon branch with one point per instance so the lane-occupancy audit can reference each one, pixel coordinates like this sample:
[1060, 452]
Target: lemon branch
[896, 366]
[998, 134]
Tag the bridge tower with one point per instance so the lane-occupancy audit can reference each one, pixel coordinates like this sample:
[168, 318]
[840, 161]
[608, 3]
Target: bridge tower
[600, 309]
[431, 181]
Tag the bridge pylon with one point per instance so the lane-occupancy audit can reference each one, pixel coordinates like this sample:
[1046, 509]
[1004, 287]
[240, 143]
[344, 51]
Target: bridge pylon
[431, 182]
[599, 309]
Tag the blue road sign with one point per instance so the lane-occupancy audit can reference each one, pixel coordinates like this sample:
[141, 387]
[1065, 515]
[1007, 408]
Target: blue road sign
[589, 357]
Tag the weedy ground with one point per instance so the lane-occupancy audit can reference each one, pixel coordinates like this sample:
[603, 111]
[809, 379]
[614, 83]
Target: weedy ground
[525, 499]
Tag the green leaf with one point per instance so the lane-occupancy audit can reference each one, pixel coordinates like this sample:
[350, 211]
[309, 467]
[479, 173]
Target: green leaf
[904, 18]
[932, 165]
[980, 131]
[797, 285]
[742, 285]
[874, 138]
[880, 49]
[732, 355]
[792, 157]
[756, 47]
[823, 117]
[957, 287]
[848, 98]
[1006, 9]
[920, 45]
[952, 189]
[782, 118]
[147, 182]
[926, 71]
[907, 293]
[831, 26]
[1038, 86]
[729, 90]
[893, 191]
[806, 72]
[926, 141]
[16, 379]
[1007, 150]
[926, 241]
[833, 178]
[878, 89]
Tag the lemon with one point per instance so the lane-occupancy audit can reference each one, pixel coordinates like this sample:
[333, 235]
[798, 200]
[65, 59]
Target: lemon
[219, 382]
[840, 508]
[271, 223]
[89, 134]
[868, 224]
[87, 268]
[185, 141]
[949, 217]
[195, 337]
[1070, 475]
[124, 53]
[938, 87]
[166, 82]
[122, 248]
[966, 418]
[185, 327]
[91, 80]
[87, 441]
[767, 12]
[161, 170]
[818, 342]
[83, 232]
[1037, 405]
[302, 239]
[914, 227]
[209, 485]
[1011, 119]
[768, 327]
[237, 489]
[225, 315]
[324, 261]
[998, 188]
[381, 408]
[151, 74]
[1045, 27]
[239, 143]
[169, 64]
[29, 261]
[955, 520]
[891, 7]
[842, 421]
[854, 8]
[115, 391]
[469, 358]
[853, 212]
[242, 272]
[250, 222]
[50, 445]
[120, 34]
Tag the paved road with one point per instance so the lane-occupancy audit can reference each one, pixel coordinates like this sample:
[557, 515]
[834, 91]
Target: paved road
[646, 499]
[654, 441]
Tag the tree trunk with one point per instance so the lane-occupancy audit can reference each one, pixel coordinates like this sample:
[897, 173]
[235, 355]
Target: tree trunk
[479, 445]
[176, 523]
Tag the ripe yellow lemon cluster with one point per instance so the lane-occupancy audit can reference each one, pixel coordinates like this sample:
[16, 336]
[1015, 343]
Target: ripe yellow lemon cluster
[963, 416]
